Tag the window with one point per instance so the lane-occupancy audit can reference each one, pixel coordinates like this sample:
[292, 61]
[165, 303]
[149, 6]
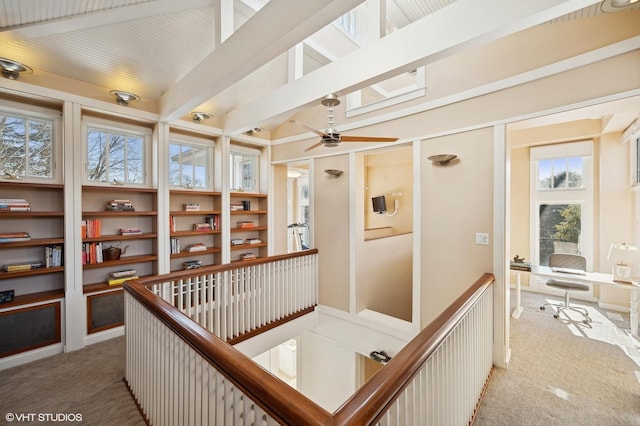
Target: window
[243, 170]
[27, 142]
[189, 164]
[116, 153]
[562, 199]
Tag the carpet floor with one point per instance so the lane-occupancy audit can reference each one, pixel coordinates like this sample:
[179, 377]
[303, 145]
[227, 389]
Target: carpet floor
[562, 372]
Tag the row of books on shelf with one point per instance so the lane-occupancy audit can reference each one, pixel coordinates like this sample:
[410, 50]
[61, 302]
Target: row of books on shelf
[120, 206]
[118, 277]
[245, 224]
[211, 222]
[91, 228]
[53, 256]
[22, 266]
[131, 231]
[92, 253]
[14, 205]
[236, 207]
[10, 237]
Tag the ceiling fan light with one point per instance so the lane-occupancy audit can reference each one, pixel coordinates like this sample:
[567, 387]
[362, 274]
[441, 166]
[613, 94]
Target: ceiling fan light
[123, 98]
[12, 69]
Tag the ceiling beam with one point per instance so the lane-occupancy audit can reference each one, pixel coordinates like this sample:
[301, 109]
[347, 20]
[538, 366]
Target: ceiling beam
[276, 27]
[443, 33]
[99, 18]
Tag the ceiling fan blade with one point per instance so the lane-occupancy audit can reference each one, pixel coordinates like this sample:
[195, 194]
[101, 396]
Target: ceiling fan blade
[365, 139]
[314, 146]
[316, 131]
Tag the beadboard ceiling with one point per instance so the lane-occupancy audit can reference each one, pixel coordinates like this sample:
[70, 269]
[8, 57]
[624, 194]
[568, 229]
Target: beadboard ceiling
[176, 52]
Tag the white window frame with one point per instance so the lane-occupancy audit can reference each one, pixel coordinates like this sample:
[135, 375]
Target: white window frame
[243, 150]
[206, 144]
[582, 196]
[116, 127]
[27, 111]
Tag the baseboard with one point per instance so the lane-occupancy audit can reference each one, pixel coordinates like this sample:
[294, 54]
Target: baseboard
[104, 335]
[30, 356]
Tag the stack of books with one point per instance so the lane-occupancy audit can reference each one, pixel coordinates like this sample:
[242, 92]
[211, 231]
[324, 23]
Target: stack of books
[248, 256]
[120, 206]
[118, 277]
[191, 207]
[22, 266]
[236, 207]
[251, 241]
[130, 231]
[91, 228]
[195, 247]
[92, 253]
[192, 264]
[14, 205]
[10, 237]
[201, 227]
[244, 224]
[237, 242]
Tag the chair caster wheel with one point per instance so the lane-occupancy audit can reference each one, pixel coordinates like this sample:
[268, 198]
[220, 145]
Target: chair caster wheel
[556, 316]
[542, 308]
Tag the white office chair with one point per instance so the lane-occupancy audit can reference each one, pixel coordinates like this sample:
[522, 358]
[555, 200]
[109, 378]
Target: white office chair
[569, 261]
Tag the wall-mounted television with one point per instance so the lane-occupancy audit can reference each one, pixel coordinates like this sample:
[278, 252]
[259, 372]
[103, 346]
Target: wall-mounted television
[379, 204]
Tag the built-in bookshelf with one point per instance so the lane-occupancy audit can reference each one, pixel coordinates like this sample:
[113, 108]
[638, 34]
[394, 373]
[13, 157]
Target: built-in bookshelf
[194, 228]
[113, 249]
[248, 226]
[31, 288]
[26, 235]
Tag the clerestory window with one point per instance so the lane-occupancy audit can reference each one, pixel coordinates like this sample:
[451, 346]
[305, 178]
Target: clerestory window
[190, 163]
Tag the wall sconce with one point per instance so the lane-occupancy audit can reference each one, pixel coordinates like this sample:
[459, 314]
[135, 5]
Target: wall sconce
[442, 159]
[622, 255]
[198, 116]
[334, 172]
[123, 98]
[11, 69]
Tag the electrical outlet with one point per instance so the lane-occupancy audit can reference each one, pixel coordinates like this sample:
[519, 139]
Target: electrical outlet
[482, 238]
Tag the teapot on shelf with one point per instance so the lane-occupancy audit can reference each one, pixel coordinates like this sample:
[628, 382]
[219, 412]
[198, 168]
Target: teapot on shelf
[113, 253]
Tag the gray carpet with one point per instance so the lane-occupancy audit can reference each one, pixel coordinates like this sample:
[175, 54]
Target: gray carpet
[86, 382]
[563, 372]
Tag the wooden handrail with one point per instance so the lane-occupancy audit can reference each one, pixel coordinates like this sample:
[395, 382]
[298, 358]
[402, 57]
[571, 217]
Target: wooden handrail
[211, 269]
[282, 402]
[372, 400]
[286, 405]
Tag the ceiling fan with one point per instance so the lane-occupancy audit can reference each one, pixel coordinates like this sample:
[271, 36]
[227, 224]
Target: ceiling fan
[330, 136]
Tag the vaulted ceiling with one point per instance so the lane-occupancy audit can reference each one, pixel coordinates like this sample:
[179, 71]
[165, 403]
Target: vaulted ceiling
[250, 62]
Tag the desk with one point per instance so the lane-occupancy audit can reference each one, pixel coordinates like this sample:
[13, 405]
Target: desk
[601, 279]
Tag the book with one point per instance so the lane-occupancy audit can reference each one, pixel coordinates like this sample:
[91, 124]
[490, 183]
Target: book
[195, 247]
[116, 281]
[253, 241]
[248, 256]
[191, 207]
[201, 227]
[237, 242]
[245, 224]
[130, 231]
[14, 234]
[124, 273]
[192, 264]
[23, 266]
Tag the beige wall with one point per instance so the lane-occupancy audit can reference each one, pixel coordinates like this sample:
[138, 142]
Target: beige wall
[331, 234]
[457, 202]
[279, 210]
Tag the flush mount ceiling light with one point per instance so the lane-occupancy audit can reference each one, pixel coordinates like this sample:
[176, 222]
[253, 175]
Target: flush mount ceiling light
[254, 130]
[123, 98]
[12, 69]
[198, 116]
[613, 6]
[442, 159]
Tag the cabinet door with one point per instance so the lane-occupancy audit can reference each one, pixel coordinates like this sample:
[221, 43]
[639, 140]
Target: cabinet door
[29, 328]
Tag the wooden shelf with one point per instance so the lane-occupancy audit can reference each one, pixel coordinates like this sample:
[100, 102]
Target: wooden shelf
[117, 188]
[118, 237]
[249, 229]
[194, 192]
[209, 250]
[194, 213]
[27, 299]
[31, 272]
[32, 214]
[124, 260]
[246, 212]
[190, 233]
[247, 195]
[248, 246]
[107, 213]
[32, 242]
